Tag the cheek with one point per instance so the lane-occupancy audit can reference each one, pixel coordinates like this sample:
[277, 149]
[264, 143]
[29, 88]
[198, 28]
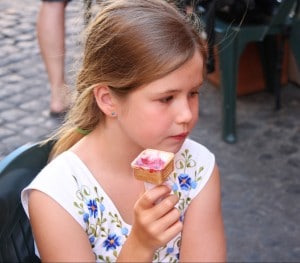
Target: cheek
[148, 123]
[153, 121]
[145, 113]
[141, 130]
[195, 112]
[139, 119]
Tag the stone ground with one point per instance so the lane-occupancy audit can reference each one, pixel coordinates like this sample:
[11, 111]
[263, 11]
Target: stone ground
[260, 173]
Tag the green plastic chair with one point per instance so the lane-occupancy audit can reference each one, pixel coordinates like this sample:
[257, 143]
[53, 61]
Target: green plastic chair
[231, 42]
[16, 171]
[294, 36]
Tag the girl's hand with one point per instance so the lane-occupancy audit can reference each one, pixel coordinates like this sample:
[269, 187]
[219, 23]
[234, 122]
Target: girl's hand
[156, 223]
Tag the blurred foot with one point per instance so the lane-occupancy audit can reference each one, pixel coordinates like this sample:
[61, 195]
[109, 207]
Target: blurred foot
[60, 101]
[58, 115]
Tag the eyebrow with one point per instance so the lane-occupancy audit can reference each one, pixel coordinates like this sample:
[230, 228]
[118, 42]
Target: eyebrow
[174, 90]
[178, 90]
[169, 91]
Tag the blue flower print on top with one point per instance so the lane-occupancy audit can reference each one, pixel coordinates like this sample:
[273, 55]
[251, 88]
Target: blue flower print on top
[185, 182]
[112, 242]
[186, 178]
[104, 226]
[102, 207]
[92, 206]
[100, 222]
[124, 231]
[92, 240]
[86, 217]
[194, 184]
[170, 250]
[175, 187]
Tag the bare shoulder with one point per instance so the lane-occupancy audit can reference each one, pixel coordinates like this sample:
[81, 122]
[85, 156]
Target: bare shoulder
[208, 201]
[203, 225]
[57, 234]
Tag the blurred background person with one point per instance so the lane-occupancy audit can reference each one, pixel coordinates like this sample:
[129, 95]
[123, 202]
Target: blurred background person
[51, 39]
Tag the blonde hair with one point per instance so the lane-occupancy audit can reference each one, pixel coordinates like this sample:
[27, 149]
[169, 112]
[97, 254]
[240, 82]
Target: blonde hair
[128, 44]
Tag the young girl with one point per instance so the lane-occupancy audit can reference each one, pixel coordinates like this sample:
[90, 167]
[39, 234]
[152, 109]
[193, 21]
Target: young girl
[138, 88]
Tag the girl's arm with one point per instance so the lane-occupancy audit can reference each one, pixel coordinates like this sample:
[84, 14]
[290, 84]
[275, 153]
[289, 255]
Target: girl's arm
[203, 238]
[58, 236]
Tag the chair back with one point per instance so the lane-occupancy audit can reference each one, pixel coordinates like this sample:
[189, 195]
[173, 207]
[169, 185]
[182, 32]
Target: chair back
[16, 171]
[284, 14]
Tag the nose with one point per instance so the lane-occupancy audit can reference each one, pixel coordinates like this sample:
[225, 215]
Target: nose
[184, 112]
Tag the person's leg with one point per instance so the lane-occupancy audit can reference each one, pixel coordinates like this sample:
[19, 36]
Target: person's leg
[51, 38]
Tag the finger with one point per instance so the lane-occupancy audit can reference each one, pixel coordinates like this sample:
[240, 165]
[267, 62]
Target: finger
[150, 197]
[168, 232]
[165, 222]
[166, 204]
[172, 231]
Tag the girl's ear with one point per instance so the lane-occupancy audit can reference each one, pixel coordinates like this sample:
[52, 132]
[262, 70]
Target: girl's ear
[105, 100]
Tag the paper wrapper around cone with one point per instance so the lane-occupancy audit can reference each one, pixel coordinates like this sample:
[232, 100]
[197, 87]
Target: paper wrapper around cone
[151, 175]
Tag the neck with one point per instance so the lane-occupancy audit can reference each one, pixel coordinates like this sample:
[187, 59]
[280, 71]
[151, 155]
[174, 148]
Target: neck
[108, 149]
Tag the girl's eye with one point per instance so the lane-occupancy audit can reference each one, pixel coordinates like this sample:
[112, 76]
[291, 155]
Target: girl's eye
[194, 93]
[166, 99]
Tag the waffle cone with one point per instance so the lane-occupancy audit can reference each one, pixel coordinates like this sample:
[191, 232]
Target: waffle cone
[147, 173]
[152, 176]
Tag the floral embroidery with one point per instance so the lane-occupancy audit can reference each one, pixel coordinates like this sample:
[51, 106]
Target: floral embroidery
[112, 242]
[91, 207]
[185, 182]
[107, 232]
[186, 178]
[169, 251]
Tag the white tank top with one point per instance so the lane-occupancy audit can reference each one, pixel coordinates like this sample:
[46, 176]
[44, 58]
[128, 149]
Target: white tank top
[69, 182]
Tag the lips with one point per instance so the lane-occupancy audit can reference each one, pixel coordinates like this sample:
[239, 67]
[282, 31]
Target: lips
[180, 136]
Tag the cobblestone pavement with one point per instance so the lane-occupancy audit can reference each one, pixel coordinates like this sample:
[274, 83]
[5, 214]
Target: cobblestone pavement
[260, 173]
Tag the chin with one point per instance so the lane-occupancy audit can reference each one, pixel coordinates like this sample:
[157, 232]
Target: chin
[171, 148]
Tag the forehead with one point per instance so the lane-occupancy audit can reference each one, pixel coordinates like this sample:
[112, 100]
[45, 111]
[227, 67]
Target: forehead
[189, 75]
[183, 79]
